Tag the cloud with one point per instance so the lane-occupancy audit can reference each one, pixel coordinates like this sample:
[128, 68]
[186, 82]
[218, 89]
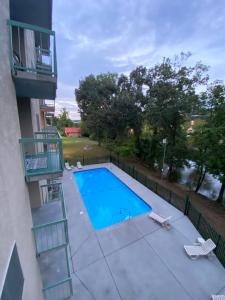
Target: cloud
[96, 36]
[71, 107]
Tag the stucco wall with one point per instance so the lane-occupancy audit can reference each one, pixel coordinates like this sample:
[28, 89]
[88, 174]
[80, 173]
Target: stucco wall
[15, 214]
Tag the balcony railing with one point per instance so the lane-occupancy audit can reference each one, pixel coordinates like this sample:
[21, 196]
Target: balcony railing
[50, 233]
[50, 128]
[47, 135]
[47, 105]
[42, 158]
[60, 290]
[32, 49]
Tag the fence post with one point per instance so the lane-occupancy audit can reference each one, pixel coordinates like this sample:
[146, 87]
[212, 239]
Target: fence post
[187, 204]
[83, 158]
[156, 188]
[217, 243]
[199, 219]
[170, 197]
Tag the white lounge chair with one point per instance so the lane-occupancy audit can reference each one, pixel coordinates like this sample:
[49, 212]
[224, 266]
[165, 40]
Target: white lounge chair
[79, 165]
[205, 249]
[218, 297]
[161, 220]
[67, 166]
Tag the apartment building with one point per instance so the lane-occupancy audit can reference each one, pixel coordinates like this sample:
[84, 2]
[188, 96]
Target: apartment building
[31, 158]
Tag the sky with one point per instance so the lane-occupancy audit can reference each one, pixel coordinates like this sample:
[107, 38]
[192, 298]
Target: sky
[100, 36]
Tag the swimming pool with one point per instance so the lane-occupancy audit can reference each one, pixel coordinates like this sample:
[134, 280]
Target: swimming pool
[107, 199]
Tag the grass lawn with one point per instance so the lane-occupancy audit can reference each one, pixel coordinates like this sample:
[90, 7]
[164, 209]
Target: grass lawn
[75, 148]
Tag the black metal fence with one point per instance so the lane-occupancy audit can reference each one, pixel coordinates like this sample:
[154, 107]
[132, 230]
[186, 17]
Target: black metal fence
[85, 160]
[181, 203]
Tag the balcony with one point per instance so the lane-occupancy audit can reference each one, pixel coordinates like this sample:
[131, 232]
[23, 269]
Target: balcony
[42, 157]
[47, 106]
[50, 233]
[33, 60]
[46, 134]
[50, 128]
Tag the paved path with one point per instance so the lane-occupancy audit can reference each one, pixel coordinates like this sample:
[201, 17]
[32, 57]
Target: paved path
[136, 259]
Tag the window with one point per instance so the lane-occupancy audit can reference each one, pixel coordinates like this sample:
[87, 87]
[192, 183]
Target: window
[14, 281]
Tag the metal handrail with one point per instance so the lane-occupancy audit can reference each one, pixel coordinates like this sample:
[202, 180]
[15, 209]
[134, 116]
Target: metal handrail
[50, 150]
[18, 45]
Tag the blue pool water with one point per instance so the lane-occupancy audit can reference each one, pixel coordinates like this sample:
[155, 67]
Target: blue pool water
[107, 199]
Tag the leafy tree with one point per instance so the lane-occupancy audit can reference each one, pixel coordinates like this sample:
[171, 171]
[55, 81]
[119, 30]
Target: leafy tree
[94, 97]
[63, 120]
[170, 99]
[216, 155]
[109, 105]
[199, 152]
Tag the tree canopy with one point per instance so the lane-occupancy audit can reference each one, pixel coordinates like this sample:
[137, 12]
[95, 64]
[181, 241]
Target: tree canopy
[141, 109]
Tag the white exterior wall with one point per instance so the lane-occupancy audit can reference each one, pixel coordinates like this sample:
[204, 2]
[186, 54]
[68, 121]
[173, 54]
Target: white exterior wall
[15, 213]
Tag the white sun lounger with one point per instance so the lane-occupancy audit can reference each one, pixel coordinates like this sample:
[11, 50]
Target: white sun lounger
[205, 249]
[218, 297]
[67, 166]
[161, 220]
[79, 165]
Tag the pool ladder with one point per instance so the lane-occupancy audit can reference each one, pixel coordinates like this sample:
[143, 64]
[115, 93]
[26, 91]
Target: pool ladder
[123, 211]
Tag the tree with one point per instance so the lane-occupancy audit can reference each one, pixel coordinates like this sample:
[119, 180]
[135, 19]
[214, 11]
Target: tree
[109, 105]
[63, 120]
[199, 151]
[216, 155]
[94, 97]
[170, 99]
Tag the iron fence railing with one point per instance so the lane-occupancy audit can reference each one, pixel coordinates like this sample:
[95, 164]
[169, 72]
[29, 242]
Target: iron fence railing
[85, 160]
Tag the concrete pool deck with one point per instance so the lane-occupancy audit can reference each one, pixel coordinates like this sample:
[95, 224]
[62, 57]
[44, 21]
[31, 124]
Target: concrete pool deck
[136, 259]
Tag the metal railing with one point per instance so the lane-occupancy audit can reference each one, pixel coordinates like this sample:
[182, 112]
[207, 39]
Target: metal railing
[60, 290]
[52, 236]
[32, 49]
[50, 128]
[46, 135]
[183, 204]
[42, 156]
[52, 192]
[89, 160]
[47, 104]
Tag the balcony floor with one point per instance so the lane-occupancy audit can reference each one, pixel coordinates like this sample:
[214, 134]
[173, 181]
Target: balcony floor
[49, 212]
[35, 86]
[135, 259]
